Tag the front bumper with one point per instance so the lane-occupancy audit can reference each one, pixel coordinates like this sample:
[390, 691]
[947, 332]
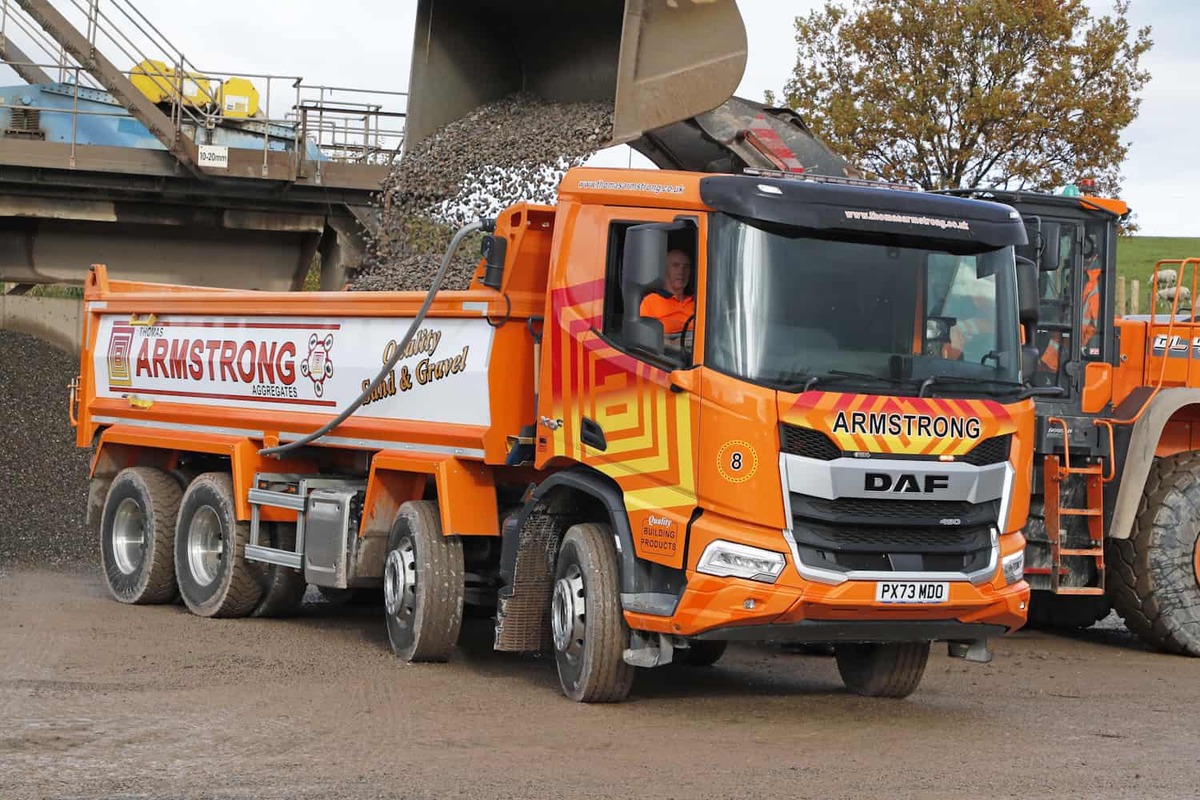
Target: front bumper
[822, 630]
[806, 610]
[735, 608]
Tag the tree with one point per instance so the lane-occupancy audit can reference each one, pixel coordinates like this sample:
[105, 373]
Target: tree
[1015, 94]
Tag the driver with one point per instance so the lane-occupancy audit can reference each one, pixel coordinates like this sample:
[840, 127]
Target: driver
[675, 307]
[1089, 320]
[973, 305]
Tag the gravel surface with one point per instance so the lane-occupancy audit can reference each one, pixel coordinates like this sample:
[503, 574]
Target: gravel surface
[104, 700]
[504, 152]
[43, 476]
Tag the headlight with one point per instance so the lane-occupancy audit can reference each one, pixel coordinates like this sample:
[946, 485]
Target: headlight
[1014, 567]
[729, 560]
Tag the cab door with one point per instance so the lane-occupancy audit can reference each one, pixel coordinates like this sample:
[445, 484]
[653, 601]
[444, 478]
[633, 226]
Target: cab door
[605, 404]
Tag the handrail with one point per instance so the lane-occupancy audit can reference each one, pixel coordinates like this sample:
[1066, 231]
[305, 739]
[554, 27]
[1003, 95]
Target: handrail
[1051, 422]
[1112, 462]
[1162, 371]
[344, 123]
[1183, 264]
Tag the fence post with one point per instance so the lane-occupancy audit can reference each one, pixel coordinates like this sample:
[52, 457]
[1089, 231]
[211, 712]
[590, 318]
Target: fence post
[1135, 291]
[1120, 297]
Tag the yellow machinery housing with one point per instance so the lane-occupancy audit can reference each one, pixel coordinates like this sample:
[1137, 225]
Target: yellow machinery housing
[235, 98]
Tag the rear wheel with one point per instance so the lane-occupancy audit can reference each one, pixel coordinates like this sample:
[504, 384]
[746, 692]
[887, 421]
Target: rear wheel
[423, 585]
[701, 653]
[215, 580]
[588, 626]
[283, 587]
[137, 526]
[1155, 573]
[890, 669]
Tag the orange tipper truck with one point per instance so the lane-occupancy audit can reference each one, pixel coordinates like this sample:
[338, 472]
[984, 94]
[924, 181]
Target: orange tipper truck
[835, 448]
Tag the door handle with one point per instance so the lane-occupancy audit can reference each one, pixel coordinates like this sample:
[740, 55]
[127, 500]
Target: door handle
[591, 434]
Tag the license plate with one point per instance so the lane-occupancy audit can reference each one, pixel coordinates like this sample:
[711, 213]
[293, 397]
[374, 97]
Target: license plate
[911, 592]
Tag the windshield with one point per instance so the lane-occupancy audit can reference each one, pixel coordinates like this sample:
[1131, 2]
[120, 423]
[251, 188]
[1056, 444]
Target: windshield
[788, 310]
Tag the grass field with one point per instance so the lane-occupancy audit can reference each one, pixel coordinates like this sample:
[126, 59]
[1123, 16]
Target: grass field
[1136, 256]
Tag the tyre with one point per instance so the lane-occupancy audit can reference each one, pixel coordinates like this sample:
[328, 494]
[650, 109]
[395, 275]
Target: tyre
[137, 527]
[701, 653]
[215, 580]
[588, 626]
[891, 669]
[283, 587]
[1066, 612]
[1154, 575]
[423, 585]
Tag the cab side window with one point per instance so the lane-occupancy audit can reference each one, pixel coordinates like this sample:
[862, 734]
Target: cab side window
[674, 306]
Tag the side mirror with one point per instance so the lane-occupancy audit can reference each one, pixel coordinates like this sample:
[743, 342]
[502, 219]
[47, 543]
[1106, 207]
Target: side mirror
[644, 269]
[1048, 238]
[1029, 362]
[1027, 296]
[493, 249]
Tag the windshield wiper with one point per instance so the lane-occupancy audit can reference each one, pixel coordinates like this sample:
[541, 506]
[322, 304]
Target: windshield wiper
[837, 376]
[936, 379]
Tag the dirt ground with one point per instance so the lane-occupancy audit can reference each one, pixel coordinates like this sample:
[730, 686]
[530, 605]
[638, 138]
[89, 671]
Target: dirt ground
[102, 700]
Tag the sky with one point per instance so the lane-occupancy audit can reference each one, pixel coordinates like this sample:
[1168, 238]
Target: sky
[368, 43]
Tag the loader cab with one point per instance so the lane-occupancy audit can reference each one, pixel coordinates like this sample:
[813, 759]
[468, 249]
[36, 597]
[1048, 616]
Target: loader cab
[1075, 259]
[1072, 239]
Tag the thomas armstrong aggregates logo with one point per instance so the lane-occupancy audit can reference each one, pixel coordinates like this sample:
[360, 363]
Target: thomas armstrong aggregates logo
[230, 360]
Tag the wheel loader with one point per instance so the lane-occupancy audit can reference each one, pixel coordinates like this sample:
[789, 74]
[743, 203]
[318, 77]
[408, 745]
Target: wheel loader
[1115, 517]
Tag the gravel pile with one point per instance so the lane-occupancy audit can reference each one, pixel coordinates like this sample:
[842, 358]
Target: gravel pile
[43, 476]
[504, 152]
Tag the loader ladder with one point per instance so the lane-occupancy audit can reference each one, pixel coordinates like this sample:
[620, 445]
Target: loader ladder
[1056, 470]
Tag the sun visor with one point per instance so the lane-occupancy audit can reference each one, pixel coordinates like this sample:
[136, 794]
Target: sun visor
[859, 208]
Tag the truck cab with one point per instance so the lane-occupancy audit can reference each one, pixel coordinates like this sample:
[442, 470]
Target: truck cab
[835, 448]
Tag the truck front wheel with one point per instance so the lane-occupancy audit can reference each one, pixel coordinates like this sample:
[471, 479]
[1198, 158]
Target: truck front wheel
[590, 634]
[423, 585]
[215, 580]
[136, 530]
[891, 669]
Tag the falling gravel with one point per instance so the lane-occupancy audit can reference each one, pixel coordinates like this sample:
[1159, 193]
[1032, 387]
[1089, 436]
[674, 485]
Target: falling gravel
[504, 152]
[43, 475]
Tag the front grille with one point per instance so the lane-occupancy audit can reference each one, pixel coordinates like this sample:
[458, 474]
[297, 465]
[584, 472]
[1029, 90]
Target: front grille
[893, 540]
[988, 452]
[843, 548]
[808, 443]
[905, 513]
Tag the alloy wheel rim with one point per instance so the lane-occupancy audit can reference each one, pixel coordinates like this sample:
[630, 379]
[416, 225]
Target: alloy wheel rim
[568, 613]
[206, 545]
[400, 583]
[129, 536]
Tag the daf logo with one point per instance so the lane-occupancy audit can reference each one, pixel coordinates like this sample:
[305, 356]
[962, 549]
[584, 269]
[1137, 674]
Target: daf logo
[905, 483]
